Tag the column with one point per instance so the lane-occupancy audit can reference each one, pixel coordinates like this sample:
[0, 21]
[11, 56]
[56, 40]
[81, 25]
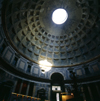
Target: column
[84, 97]
[97, 89]
[49, 93]
[13, 90]
[27, 88]
[90, 92]
[20, 87]
[34, 90]
[14, 87]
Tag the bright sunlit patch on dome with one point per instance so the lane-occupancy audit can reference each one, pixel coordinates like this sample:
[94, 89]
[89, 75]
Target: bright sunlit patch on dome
[59, 16]
[45, 65]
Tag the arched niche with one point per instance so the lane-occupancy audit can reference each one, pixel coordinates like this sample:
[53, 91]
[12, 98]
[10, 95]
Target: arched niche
[57, 78]
[57, 86]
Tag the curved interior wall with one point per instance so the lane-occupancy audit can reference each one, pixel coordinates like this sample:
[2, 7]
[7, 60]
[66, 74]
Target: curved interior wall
[20, 86]
[16, 61]
[85, 88]
[9, 55]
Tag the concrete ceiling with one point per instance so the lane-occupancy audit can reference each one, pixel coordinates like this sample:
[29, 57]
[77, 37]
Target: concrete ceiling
[32, 33]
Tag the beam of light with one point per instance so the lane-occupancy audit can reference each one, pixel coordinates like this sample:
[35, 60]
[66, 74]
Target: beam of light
[45, 65]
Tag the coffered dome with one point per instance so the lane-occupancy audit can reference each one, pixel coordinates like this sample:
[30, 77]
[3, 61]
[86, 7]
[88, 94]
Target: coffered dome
[32, 33]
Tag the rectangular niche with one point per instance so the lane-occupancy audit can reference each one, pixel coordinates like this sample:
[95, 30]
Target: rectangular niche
[2, 48]
[8, 55]
[15, 60]
[22, 65]
[87, 72]
[79, 72]
[28, 68]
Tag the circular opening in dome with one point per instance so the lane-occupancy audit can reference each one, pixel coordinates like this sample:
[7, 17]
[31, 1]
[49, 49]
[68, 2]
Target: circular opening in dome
[59, 16]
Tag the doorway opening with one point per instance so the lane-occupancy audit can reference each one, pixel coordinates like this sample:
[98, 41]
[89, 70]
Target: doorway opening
[57, 86]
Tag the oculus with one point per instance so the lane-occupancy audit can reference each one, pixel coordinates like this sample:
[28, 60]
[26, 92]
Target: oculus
[59, 16]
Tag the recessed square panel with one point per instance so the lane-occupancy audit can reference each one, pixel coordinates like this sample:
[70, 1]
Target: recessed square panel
[79, 72]
[8, 55]
[95, 68]
[22, 65]
[36, 70]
